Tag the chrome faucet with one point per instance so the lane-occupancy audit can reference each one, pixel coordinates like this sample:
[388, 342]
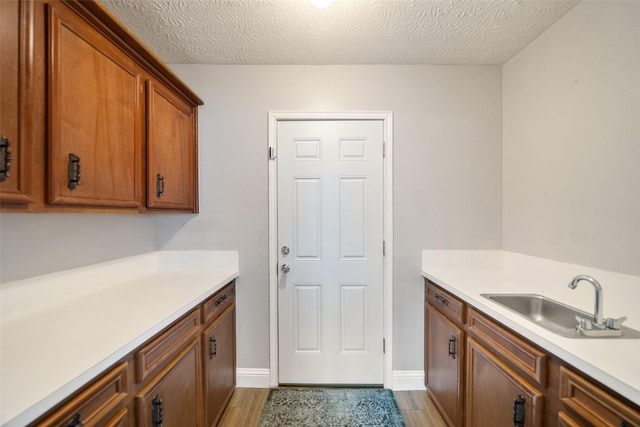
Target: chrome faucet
[599, 326]
[598, 318]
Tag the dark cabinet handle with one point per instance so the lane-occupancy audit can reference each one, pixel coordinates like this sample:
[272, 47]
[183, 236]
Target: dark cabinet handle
[5, 158]
[157, 411]
[442, 300]
[75, 422]
[213, 347]
[624, 424]
[220, 300]
[159, 185]
[74, 171]
[452, 347]
[518, 411]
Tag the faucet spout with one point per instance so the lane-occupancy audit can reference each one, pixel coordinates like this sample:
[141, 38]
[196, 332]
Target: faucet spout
[598, 317]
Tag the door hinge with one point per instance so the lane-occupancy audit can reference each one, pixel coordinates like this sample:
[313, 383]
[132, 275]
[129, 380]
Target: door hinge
[384, 346]
[272, 153]
[384, 149]
[384, 248]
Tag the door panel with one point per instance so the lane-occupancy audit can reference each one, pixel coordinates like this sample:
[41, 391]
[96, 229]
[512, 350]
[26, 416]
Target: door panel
[330, 204]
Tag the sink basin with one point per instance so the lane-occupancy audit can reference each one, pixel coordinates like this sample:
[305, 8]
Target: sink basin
[552, 315]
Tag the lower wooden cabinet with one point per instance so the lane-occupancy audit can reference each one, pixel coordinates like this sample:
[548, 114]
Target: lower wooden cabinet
[496, 395]
[183, 376]
[593, 404]
[219, 365]
[444, 357]
[173, 397]
[97, 404]
[507, 380]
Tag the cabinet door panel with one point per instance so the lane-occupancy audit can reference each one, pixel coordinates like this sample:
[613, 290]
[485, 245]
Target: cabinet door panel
[444, 370]
[16, 121]
[219, 361]
[171, 150]
[94, 113]
[178, 388]
[492, 388]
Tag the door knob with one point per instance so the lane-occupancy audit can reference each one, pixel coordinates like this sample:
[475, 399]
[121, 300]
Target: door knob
[285, 268]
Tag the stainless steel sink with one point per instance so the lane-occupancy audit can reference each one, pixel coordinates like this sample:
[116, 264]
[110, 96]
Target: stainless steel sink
[552, 315]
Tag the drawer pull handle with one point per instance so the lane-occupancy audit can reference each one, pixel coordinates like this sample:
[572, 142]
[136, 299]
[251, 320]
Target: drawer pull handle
[5, 158]
[75, 422]
[213, 347]
[74, 171]
[452, 347]
[220, 300]
[518, 411]
[442, 300]
[157, 412]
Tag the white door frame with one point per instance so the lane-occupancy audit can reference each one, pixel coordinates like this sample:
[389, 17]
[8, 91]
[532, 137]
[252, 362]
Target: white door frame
[387, 118]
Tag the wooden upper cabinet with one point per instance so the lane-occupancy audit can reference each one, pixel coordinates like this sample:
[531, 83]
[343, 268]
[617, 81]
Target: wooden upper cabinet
[95, 116]
[171, 150]
[16, 84]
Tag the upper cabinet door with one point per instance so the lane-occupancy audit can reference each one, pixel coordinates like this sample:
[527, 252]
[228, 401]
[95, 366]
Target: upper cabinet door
[95, 116]
[16, 84]
[171, 150]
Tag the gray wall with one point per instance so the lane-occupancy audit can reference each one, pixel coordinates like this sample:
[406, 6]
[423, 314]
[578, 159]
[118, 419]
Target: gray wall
[572, 140]
[35, 244]
[448, 161]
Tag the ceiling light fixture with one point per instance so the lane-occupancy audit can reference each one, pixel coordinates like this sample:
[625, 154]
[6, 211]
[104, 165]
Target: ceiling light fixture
[322, 4]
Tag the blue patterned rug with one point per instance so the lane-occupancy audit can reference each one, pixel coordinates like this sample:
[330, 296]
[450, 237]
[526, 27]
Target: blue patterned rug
[331, 407]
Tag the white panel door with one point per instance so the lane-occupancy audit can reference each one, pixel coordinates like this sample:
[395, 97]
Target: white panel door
[330, 217]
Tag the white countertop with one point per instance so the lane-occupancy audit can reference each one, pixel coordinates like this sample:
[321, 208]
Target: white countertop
[613, 362]
[59, 331]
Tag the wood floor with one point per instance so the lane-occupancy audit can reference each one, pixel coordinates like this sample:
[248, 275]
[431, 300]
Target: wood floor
[246, 405]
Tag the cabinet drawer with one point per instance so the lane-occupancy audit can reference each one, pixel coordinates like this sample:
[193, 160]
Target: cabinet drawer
[93, 405]
[449, 305]
[215, 305]
[594, 404]
[159, 351]
[533, 362]
[565, 420]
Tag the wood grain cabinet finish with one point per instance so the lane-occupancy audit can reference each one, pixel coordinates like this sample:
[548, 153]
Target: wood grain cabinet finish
[16, 86]
[219, 364]
[174, 396]
[492, 391]
[94, 102]
[530, 360]
[171, 150]
[93, 121]
[96, 405]
[444, 358]
[593, 404]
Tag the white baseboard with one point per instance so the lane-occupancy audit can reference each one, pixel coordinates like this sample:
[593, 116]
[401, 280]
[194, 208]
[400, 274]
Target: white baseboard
[261, 378]
[253, 378]
[408, 380]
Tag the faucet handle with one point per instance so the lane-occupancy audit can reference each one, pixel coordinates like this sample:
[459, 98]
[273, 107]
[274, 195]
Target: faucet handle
[584, 323]
[614, 323]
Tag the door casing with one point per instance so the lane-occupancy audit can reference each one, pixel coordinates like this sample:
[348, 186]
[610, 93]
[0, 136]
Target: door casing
[387, 118]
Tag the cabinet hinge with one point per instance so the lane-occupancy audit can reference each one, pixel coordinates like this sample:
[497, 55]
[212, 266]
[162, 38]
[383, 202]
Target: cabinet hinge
[272, 153]
[384, 149]
[384, 248]
[384, 346]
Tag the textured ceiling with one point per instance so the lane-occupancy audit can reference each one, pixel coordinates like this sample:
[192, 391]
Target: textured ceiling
[348, 32]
